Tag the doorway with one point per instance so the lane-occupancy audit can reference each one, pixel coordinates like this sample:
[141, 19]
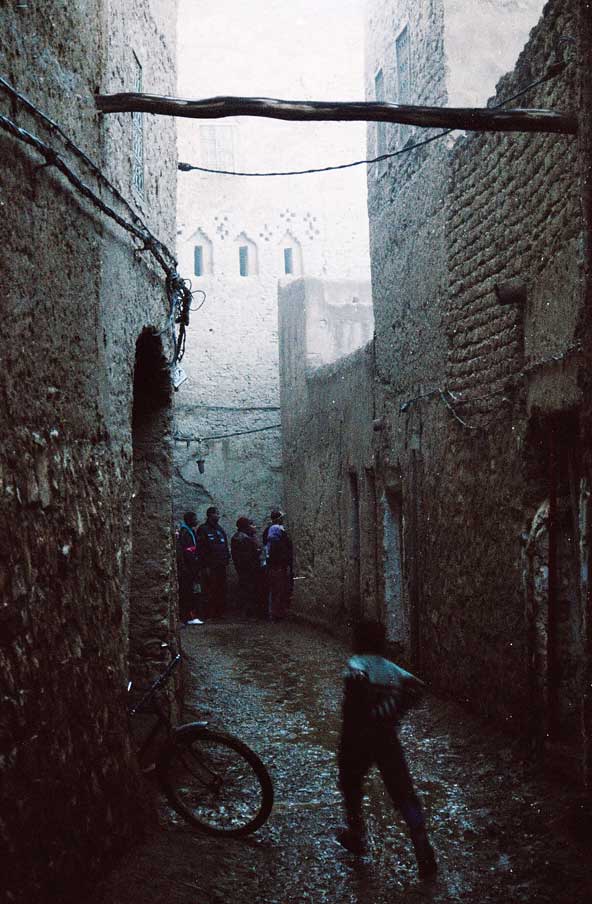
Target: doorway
[355, 545]
[396, 609]
[554, 610]
[153, 581]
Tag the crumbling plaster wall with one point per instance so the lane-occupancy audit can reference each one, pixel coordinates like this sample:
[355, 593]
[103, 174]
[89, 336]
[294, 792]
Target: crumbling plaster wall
[77, 297]
[327, 451]
[481, 211]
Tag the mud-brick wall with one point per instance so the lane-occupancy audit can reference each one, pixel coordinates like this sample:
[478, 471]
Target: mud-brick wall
[447, 223]
[327, 452]
[76, 299]
[407, 211]
[512, 215]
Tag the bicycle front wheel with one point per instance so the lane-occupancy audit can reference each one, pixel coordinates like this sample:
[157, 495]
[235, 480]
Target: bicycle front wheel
[216, 782]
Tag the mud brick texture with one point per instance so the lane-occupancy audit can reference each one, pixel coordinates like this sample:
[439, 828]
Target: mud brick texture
[87, 566]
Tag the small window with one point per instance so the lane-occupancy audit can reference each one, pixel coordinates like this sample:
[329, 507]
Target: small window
[198, 260]
[217, 146]
[381, 142]
[243, 260]
[137, 121]
[288, 261]
[403, 69]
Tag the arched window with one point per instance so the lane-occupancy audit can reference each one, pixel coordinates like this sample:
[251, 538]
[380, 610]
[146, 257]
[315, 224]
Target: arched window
[198, 260]
[203, 257]
[247, 256]
[290, 255]
[243, 260]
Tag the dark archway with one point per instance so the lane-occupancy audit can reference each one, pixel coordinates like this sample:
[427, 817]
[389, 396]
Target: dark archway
[553, 591]
[153, 593]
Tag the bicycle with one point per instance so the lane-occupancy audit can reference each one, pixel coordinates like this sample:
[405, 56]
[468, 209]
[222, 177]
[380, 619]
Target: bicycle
[211, 778]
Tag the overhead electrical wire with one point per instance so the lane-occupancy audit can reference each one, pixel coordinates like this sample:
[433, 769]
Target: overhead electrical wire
[452, 399]
[178, 289]
[180, 438]
[145, 235]
[553, 70]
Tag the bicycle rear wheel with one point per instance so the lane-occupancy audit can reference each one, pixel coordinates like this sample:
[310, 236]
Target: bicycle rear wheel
[215, 781]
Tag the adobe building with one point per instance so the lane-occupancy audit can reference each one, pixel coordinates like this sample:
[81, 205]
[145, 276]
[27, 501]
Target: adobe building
[458, 442]
[238, 236]
[88, 590]
[478, 276]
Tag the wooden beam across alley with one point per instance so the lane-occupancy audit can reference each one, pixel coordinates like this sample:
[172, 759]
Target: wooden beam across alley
[466, 118]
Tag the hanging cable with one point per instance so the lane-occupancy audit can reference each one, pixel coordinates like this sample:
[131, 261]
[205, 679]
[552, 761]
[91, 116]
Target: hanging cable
[553, 70]
[146, 236]
[187, 167]
[178, 290]
[181, 438]
[452, 399]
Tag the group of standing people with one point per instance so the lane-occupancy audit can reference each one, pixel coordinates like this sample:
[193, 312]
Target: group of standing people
[264, 567]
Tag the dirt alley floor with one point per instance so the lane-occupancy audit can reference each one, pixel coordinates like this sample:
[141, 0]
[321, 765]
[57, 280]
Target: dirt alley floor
[499, 835]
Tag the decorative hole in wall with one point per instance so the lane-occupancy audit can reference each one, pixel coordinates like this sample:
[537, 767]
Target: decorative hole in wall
[288, 215]
[266, 233]
[310, 226]
[222, 227]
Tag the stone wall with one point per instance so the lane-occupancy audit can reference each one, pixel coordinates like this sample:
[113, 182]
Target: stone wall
[82, 311]
[327, 450]
[480, 398]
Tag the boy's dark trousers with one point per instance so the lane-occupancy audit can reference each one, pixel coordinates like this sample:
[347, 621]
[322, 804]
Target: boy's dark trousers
[380, 746]
[357, 753]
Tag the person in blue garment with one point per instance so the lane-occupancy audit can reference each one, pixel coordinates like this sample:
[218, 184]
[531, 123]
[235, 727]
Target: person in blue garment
[377, 695]
[188, 569]
[279, 566]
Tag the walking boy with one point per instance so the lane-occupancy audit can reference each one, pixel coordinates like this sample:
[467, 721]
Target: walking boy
[377, 694]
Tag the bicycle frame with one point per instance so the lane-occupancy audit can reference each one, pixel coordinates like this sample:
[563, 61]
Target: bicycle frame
[186, 748]
[147, 699]
[149, 704]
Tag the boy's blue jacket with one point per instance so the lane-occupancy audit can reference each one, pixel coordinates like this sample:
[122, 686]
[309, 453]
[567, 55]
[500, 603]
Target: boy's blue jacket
[377, 692]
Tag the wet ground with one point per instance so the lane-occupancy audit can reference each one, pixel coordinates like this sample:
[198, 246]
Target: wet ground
[500, 835]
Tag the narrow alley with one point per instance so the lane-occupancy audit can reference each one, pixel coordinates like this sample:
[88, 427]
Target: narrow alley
[500, 835]
[296, 325]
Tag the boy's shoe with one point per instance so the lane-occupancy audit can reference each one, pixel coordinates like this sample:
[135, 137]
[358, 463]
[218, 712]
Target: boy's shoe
[427, 864]
[194, 621]
[354, 842]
